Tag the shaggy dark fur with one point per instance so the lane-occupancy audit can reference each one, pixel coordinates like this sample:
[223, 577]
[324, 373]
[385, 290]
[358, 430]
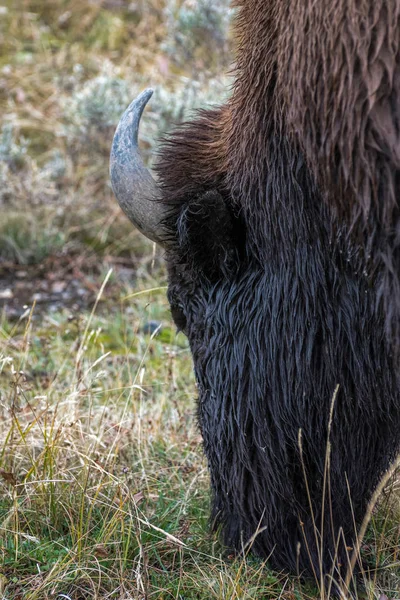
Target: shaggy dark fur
[284, 273]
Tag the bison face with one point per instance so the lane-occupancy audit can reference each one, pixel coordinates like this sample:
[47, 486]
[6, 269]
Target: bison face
[298, 395]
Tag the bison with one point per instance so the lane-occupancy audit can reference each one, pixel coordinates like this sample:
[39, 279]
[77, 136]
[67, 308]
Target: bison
[279, 212]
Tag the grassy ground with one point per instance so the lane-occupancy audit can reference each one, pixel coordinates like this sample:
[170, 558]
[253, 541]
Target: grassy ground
[103, 486]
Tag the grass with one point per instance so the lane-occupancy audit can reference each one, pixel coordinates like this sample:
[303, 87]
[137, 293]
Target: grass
[103, 485]
[104, 490]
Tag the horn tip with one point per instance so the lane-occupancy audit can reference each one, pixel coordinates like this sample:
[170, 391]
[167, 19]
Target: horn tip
[144, 96]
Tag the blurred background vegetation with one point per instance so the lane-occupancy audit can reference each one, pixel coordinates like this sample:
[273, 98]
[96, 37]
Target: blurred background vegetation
[67, 71]
[104, 491]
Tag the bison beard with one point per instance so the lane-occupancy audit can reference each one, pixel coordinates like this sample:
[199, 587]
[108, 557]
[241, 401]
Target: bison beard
[283, 252]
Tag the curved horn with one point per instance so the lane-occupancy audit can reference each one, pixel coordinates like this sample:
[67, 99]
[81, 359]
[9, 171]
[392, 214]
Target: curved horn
[131, 181]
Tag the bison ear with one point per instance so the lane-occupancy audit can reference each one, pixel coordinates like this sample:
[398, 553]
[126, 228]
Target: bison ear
[209, 235]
